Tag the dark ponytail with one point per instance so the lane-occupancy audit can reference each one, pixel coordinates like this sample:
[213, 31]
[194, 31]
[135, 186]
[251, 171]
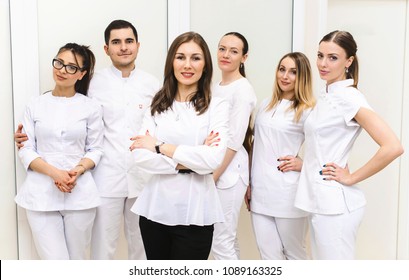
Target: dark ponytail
[81, 86]
[245, 49]
[248, 140]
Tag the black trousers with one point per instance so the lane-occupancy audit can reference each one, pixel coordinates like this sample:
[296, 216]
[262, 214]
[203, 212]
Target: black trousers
[163, 242]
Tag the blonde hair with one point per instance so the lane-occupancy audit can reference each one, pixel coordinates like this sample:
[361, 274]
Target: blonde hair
[303, 95]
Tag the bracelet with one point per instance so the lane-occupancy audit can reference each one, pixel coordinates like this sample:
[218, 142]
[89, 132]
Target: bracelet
[81, 165]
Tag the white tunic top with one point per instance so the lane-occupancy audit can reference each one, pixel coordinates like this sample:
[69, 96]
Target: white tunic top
[242, 101]
[276, 134]
[330, 132]
[61, 131]
[183, 199]
[124, 101]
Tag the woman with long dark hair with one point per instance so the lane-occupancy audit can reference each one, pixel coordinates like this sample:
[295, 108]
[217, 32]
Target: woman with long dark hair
[179, 204]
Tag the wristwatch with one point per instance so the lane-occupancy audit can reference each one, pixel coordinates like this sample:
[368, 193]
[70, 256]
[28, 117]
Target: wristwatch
[157, 146]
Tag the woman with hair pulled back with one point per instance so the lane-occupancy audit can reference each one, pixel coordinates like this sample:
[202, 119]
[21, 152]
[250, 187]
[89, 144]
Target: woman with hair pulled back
[327, 188]
[65, 130]
[232, 177]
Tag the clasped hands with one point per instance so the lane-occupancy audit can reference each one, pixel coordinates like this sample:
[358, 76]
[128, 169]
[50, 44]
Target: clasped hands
[66, 180]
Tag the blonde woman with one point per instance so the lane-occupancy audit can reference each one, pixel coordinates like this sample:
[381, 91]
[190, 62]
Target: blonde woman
[278, 135]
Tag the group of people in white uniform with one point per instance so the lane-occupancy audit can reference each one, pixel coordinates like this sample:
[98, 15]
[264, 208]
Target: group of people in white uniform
[176, 161]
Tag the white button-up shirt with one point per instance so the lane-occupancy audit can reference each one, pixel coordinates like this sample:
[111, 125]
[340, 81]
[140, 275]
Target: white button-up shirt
[242, 101]
[276, 134]
[330, 132]
[61, 131]
[183, 199]
[124, 101]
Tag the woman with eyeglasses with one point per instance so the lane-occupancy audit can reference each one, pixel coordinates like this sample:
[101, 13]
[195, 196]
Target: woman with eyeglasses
[65, 130]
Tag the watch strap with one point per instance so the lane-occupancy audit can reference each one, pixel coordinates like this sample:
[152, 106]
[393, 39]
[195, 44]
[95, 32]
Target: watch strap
[157, 147]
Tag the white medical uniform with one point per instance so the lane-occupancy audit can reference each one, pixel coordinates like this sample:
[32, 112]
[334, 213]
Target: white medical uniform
[171, 198]
[61, 131]
[279, 227]
[232, 184]
[124, 101]
[337, 210]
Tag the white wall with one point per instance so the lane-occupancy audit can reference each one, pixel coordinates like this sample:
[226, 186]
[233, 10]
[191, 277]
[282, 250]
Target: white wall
[8, 219]
[403, 219]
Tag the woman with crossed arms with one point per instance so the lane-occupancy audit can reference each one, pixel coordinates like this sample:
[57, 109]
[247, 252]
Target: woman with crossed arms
[179, 204]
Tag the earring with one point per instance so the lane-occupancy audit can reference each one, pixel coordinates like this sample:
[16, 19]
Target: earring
[346, 70]
[241, 65]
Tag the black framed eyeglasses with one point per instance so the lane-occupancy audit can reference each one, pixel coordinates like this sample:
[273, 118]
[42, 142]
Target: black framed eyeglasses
[70, 69]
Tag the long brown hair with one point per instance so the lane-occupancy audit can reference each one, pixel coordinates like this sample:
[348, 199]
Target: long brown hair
[200, 99]
[303, 95]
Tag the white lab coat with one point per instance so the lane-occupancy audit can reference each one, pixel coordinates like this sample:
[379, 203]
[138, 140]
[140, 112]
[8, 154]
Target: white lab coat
[242, 101]
[124, 101]
[330, 132]
[61, 131]
[276, 134]
[279, 227]
[183, 199]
